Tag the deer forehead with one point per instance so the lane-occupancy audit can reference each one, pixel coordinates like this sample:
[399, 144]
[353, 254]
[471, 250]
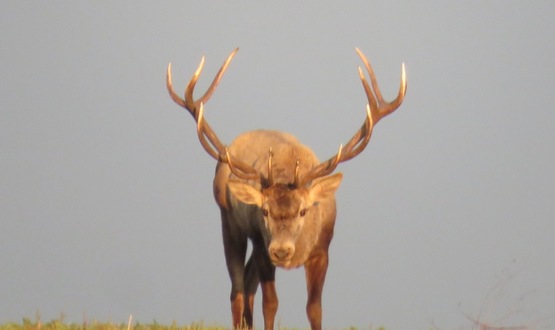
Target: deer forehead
[283, 201]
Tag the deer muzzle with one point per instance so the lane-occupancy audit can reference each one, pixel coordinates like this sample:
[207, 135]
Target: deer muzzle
[281, 254]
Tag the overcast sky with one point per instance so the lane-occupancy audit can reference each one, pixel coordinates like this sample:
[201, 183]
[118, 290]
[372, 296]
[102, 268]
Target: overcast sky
[106, 205]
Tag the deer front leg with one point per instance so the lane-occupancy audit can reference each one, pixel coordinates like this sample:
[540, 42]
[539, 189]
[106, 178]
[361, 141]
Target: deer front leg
[315, 271]
[267, 276]
[269, 303]
[251, 284]
[235, 247]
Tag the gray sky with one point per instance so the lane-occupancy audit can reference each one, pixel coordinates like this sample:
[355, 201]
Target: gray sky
[106, 206]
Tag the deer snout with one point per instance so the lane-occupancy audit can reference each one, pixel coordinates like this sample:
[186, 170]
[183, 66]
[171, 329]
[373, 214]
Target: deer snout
[281, 253]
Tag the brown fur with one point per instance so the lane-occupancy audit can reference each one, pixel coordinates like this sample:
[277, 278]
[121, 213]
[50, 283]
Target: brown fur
[284, 238]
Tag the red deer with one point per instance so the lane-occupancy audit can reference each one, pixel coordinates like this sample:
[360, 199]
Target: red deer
[272, 190]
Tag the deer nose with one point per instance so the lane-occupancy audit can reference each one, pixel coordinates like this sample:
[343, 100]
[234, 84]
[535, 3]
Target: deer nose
[281, 253]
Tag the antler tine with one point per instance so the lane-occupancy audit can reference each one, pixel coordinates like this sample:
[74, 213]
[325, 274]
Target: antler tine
[270, 180]
[323, 169]
[380, 108]
[297, 179]
[240, 172]
[181, 102]
[218, 76]
[189, 98]
[202, 133]
[188, 102]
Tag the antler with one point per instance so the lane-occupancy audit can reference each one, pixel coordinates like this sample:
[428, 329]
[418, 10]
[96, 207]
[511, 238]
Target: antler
[376, 109]
[208, 139]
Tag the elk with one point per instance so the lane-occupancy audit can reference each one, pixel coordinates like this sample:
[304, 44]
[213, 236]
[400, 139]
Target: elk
[273, 190]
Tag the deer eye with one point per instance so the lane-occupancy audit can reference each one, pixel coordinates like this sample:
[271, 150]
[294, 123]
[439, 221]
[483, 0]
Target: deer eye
[302, 213]
[264, 212]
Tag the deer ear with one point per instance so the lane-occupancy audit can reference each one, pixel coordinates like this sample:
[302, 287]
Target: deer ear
[325, 187]
[245, 192]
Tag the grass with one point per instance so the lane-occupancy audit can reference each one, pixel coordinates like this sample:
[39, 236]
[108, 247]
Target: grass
[27, 324]
[59, 324]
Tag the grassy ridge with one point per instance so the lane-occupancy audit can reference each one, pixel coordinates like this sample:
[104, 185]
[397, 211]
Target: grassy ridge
[27, 324]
